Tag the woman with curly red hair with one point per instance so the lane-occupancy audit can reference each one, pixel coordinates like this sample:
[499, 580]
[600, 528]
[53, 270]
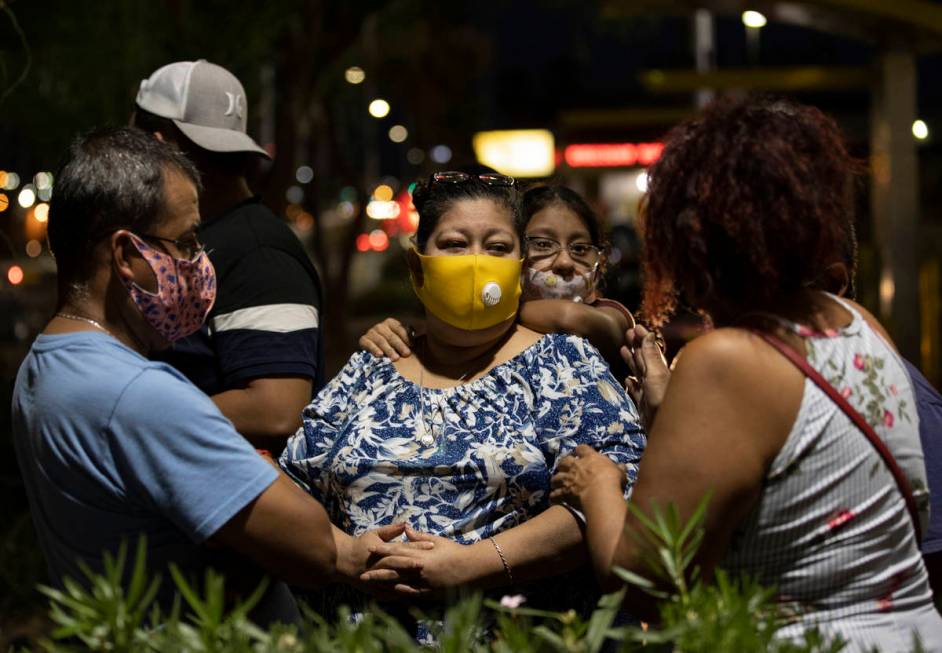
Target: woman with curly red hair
[795, 413]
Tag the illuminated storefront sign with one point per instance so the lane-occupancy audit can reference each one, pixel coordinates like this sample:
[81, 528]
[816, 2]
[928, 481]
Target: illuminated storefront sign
[611, 155]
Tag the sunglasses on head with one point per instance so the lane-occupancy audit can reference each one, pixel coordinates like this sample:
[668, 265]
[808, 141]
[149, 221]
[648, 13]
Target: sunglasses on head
[458, 177]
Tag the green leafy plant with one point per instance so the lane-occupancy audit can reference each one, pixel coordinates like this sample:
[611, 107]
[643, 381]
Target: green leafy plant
[726, 614]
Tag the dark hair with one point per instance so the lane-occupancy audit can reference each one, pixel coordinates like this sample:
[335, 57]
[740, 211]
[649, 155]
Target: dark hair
[748, 203]
[433, 199]
[111, 178]
[538, 198]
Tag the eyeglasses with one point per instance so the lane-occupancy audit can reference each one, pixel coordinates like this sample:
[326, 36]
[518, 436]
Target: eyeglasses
[458, 177]
[540, 248]
[189, 245]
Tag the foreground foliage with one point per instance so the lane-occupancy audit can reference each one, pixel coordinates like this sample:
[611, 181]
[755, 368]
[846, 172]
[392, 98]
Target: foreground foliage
[727, 615]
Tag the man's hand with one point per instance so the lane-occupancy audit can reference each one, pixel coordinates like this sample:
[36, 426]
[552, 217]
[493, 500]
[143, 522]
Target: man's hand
[356, 554]
[650, 374]
[426, 564]
[584, 473]
[389, 338]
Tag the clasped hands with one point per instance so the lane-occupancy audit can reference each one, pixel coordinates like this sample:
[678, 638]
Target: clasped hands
[387, 568]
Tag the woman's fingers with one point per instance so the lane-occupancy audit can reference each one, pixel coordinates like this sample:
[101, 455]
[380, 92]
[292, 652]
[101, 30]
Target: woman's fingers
[390, 531]
[403, 335]
[417, 536]
[400, 548]
[411, 591]
[394, 341]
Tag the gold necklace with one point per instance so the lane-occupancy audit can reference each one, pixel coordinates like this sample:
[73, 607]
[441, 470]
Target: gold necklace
[87, 320]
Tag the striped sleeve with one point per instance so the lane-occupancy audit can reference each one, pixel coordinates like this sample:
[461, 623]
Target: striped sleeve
[266, 321]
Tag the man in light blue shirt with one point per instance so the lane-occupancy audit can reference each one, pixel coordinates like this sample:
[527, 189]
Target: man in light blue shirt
[112, 445]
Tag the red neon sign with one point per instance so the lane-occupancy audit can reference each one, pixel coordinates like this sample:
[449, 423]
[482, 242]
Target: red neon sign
[611, 155]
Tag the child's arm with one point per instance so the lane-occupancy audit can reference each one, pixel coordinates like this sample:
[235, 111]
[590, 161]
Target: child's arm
[603, 326]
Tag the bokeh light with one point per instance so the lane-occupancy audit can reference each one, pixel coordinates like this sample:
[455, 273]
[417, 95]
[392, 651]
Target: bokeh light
[379, 241]
[11, 182]
[920, 130]
[398, 133]
[304, 174]
[294, 194]
[379, 108]
[43, 180]
[641, 181]
[415, 156]
[363, 243]
[383, 193]
[4, 202]
[441, 154]
[354, 75]
[41, 212]
[27, 197]
[15, 275]
[753, 19]
[34, 248]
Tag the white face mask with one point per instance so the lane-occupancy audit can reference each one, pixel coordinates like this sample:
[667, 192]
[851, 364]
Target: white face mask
[546, 284]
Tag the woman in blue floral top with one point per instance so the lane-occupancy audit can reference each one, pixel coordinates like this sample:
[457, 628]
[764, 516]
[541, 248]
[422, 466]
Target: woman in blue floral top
[460, 440]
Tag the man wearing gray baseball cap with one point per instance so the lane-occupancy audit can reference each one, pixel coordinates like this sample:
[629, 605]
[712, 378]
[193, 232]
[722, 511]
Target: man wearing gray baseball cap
[259, 354]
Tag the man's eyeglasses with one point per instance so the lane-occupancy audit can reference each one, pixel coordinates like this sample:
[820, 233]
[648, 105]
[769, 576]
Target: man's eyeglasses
[188, 245]
[458, 177]
[539, 248]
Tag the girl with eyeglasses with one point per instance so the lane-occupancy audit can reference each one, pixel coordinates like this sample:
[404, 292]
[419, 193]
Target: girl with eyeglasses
[565, 261]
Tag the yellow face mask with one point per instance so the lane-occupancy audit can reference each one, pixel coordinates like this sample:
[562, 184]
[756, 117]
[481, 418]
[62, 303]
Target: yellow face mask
[473, 291]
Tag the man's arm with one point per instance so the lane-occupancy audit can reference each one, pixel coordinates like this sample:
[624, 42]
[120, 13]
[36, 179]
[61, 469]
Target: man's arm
[286, 532]
[267, 410]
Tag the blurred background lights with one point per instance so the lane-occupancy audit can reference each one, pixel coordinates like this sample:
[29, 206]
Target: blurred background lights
[753, 19]
[12, 181]
[379, 241]
[4, 202]
[42, 180]
[441, 154]
[304, 174]
[415, 156]
[304, 221]
[383, 193]
[27, 197]
[920, 130]
[363, 243]
[379, 108]
[34, 248]
[44, 194]
[398, 133]
[346, 209]
[294, 194]
[641, 181]
[41, 212]
[383, 210]
[354, 75]
[15, 275]
[518, 153]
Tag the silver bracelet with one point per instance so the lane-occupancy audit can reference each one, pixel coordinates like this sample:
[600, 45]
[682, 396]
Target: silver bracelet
[503, 560]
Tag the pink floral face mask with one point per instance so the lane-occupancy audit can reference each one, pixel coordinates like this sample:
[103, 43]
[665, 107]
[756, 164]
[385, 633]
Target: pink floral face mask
[186, 291]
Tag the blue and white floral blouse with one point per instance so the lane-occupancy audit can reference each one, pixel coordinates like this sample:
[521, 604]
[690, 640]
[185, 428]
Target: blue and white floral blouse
[465, 462]
[481, 463]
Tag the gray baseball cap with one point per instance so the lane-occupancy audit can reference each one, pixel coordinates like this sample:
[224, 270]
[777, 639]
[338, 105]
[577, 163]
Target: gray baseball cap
[205, 101]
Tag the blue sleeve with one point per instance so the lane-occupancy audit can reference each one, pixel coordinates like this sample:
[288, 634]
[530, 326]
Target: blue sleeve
[929, 408]
[308, 454]
[580, 402]
[180, 456]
